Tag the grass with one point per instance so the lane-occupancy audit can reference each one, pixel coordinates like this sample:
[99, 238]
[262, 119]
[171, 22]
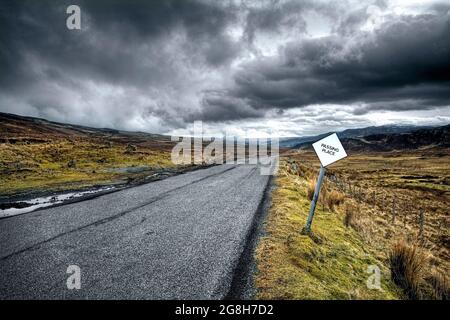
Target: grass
[25, 166]
[388, 197]
[440, 286]
[311, 189]
[350, 216]
[330, 264]
[407, 263]
[334, 199]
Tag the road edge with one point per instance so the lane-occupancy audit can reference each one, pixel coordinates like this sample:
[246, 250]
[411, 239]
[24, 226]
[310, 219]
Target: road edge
[242, 283]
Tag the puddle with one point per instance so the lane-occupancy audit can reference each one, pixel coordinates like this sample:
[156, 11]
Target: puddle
[15, 208]
[137, 169]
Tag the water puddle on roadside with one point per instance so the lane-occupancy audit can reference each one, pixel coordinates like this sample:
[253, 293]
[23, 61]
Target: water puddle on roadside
[26, 206]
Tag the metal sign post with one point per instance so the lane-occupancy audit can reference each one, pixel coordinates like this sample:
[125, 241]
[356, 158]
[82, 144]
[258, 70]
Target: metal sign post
[314, 199]
[329, 150]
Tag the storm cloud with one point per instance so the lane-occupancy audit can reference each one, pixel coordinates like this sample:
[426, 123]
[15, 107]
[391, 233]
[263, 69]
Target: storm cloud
[160, 65]
[407, 59]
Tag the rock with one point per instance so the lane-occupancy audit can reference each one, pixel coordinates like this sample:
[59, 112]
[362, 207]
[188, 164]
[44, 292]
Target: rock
[109, 144]
[131, 148]
[72, 164]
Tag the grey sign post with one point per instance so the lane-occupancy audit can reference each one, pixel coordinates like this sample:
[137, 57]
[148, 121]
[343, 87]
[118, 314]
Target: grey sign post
[328, 150]
[314, 199]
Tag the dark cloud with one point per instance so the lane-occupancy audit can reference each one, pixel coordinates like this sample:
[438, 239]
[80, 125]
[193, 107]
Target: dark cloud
[222, 107]
[118, 37]
[158, 65]
[408, 59]
[275, 17]
[149, 49]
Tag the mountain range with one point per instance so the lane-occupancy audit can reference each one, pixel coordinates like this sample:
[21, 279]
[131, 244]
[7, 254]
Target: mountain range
[382, 138]
[296, 142]
[386, 138]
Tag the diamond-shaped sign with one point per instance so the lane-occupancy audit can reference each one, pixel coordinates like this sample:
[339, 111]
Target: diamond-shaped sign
[329, 150]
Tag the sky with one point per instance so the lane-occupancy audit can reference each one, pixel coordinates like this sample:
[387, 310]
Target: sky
[248, 68]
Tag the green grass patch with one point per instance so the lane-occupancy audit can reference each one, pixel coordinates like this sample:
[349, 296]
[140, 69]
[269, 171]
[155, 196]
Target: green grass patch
[331, 264]
[25, 167]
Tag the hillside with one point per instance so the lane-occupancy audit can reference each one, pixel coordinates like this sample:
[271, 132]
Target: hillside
[297, 142]
[372, 207]
[437, 137]
[15, 128]
[40, 157]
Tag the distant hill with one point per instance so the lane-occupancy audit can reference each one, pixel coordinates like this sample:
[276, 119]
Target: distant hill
[417, 139]
[298, 142]
[383, 138]
[20, 128]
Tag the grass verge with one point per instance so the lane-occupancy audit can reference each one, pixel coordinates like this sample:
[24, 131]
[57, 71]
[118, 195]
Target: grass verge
[70, 164]
[331, 264]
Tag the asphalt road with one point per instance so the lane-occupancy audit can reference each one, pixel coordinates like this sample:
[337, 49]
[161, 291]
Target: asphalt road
[179, 238]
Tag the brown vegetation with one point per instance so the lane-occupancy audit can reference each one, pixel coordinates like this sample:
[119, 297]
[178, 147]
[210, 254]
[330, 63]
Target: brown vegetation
[350, 216]
[311, 189]
[407, 263]
[440, 289]
[391, 196]
[330, 262]
[38, 155]
[333, 199]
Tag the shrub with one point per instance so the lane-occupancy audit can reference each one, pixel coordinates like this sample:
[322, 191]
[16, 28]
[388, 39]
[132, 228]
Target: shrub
[440, 287]
[334, 198]
[350, 216]
[311, 188]
[407, 263]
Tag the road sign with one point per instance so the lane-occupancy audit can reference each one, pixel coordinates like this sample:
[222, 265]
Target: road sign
[329, 150]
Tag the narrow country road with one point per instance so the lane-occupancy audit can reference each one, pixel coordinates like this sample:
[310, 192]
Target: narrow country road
[179, 238]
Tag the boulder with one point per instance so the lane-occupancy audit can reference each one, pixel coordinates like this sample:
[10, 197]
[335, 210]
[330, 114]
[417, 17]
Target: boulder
[72, 164]
[131, 148]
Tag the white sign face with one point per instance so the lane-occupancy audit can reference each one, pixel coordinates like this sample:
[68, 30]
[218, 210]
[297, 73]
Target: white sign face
[329, 150]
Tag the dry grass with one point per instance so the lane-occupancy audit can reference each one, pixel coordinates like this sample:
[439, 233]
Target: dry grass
[330, 264]
[396, 195]
[440, 289]
[62, 163]
[311, 189]
[333, 199]
[350, 216]
[407, 263]
[381, 186]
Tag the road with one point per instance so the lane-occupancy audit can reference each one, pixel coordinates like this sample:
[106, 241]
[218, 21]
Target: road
[178, 238]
